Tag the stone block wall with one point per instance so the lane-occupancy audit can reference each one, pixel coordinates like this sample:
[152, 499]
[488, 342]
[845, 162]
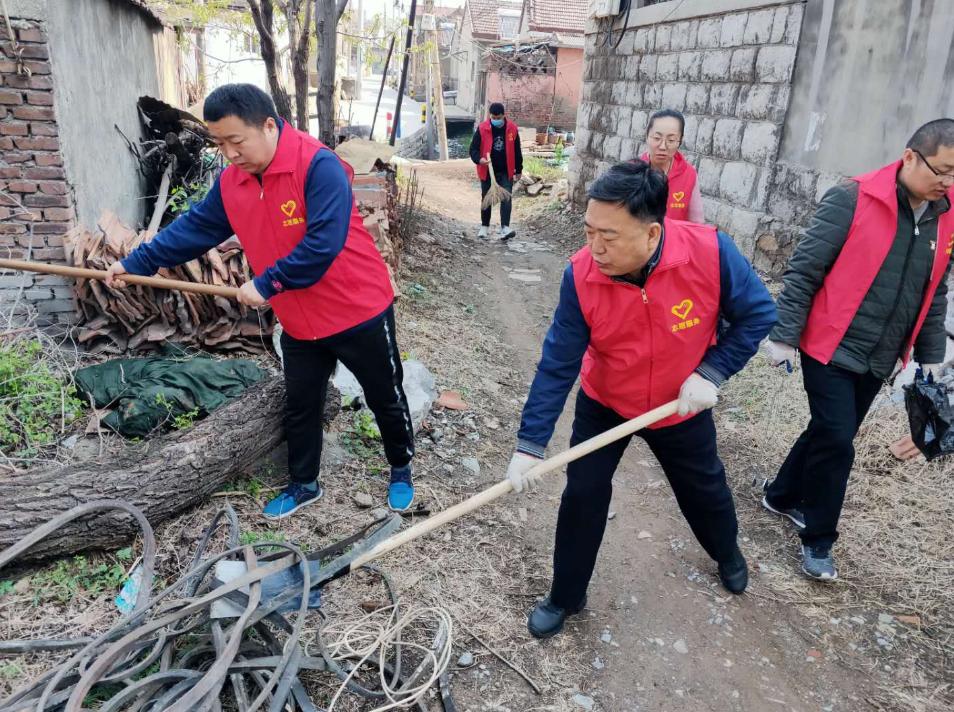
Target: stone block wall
[36, 201]
[729, 73]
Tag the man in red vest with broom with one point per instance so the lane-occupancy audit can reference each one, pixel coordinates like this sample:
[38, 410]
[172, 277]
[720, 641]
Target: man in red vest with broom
[866, 287]
[496, 146]
[288, 199]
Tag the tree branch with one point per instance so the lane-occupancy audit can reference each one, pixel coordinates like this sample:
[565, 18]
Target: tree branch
[342, 4]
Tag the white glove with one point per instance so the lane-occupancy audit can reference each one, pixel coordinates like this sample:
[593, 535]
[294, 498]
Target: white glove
[517, 471]
[931, 369]
[697, 394]
[779, 354]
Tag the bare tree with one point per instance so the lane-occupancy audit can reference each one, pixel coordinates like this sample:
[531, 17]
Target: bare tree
[263, 12]
[327, 15]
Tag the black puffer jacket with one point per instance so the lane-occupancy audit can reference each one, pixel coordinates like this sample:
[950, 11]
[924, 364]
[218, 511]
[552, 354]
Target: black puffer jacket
[887, 315]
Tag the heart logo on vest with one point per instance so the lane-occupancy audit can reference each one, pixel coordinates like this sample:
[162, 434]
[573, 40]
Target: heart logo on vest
[289, 207]
[683, 308]
[677, 197]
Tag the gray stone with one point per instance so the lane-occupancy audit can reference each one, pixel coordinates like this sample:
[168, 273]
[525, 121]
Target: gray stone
[723, 98]
[697, 98]
[885, 618]
[624, 118]
[762, 189]
[727, 139]
[632, 66]
[663, 38]
[582, 141]
[684, 36]
[704, 135]
[710, 33]
[16, 280]
[733, 29]
[652, 95]
[778, 25]
[758, 29]
[598, 663]
[620, 90]
[363, 500]
[743, 225]
[681, 647]
[634, 94]
[779, 103]
[760, 142]
[606, 637]
[715, 64]
[611, 147]
[690, 66]
[647, 67]
[825, 182]
[628, 148]
[742, 67]
[755, 102]
[583, 701]
[55, 306]
[471, 464]
[674, 96]
[626, 43]
[793, 27]
[775, 63]
[639, 123]
[645, 39]
[465, 660]
[710, 171]
[689, 133]
[737, 183]
[667, 66]
[596, 143]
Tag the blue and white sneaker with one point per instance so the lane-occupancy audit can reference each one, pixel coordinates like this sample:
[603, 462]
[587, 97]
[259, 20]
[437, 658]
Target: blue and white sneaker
[818, 563]
[292, 498]
[401, 489]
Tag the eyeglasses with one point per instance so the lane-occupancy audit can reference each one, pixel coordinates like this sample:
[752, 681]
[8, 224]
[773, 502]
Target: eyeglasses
[671, 142]
[948, 176]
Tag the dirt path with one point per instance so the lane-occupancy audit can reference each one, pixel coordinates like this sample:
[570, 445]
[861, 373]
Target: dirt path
[660, 632]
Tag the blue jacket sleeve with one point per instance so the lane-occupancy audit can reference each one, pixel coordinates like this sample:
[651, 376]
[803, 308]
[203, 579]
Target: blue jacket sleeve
[185, 238]
[328, 204]
[563, 351]
[748, 307]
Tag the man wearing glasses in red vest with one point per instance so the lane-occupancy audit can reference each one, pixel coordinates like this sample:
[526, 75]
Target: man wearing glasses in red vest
[866, 287]
[288, 199]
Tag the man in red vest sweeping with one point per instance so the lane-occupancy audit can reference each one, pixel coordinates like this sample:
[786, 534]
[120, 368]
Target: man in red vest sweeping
[496, 146]
[288, 199]
[638, 313]
[867, 285]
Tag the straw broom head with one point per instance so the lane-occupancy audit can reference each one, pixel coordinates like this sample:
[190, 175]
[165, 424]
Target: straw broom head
[496, 194]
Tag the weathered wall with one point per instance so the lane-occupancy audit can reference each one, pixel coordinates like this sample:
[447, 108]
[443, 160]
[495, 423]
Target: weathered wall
[868, 74]
[542, 100]
[94, 91]
[727, 66]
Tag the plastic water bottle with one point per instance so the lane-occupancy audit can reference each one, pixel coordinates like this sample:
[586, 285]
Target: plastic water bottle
[129, 593]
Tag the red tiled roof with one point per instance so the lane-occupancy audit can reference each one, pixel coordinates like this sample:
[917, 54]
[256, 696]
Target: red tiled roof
[485, 15]
[567, 16]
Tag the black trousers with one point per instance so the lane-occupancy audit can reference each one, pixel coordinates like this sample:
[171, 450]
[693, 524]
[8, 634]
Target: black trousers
[372, 355]
[814, 476]
[505, 205]
[687, 453]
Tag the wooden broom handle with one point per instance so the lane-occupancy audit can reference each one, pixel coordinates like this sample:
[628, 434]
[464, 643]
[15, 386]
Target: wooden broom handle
[158, 282]
[502, 488]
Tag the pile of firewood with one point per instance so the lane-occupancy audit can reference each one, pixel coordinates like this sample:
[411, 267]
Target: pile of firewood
[142, 318]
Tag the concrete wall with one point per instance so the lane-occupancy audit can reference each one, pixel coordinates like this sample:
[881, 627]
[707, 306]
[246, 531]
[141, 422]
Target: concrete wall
[94, 91]
[466, 67]
[542, 100]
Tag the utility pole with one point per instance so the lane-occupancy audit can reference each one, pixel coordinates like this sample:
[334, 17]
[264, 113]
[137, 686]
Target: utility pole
[402, 84]
[437, 92]
[384, 79]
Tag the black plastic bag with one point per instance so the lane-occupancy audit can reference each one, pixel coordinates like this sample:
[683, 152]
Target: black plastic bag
[931, 416]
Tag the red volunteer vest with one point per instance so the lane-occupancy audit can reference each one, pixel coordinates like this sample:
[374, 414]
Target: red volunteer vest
[644, 343]
[486, 141]
[270, 220]
[869, 240]
[682, 181]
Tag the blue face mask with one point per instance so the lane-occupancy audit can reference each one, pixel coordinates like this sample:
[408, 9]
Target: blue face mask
[497, 122]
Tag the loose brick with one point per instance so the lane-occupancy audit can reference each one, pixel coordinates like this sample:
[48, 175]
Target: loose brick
[39, 200]
[34, 113]
[54, 240]
[38, 67]
[38, 143]
[49, 159]
[10, 228]
[44, 173]
[6, 143]
[44, 129]
[39, 98]
[17, 157]
[46, 253]
[31, 34]
[10, 97]
[41, 82]
[35, 51]
[51, 229]
[55, 306]
[10, 171]
[59, 214]
[52, 187]
[21, 186]
[14, 128]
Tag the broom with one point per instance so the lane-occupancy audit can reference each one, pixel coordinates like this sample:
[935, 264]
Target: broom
[496, 194]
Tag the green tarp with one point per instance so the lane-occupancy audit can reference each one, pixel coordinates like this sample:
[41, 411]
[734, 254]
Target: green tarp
[149, 394]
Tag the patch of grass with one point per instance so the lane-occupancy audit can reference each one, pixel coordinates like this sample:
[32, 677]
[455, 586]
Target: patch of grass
[6, 587]
[179, 421]
[363, 438]
[35, 402]
[71, 577]
[534, 165]
[257, 537]
[10, 671]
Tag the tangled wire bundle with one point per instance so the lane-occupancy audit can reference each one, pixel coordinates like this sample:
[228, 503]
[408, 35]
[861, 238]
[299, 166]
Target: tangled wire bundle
[178, 652]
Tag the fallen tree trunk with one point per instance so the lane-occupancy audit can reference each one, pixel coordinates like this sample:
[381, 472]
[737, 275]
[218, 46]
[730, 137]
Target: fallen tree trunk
[162, 477]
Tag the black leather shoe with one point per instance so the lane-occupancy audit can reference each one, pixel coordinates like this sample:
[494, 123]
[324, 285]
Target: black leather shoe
[546, 620]
[734, 572]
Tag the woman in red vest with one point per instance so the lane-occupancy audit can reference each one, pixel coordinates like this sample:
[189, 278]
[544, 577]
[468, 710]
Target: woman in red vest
[867, 285]
[637, 321]
[288, 199]
[496, 146]
[664, 137]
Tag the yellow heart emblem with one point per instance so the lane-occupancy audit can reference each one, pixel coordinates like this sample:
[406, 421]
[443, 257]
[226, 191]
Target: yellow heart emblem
[289, 207]
[683, 308]
[678, 196]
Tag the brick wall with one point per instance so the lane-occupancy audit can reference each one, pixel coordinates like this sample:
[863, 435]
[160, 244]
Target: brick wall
[36, 203]
[730, 74]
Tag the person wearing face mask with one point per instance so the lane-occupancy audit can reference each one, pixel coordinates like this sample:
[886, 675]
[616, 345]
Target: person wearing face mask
[496, 146]
[637, 319]
[663, 138]
[288, 199]
[865, 288]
